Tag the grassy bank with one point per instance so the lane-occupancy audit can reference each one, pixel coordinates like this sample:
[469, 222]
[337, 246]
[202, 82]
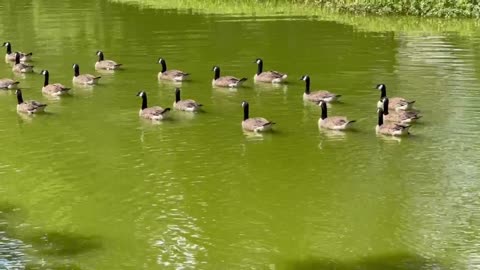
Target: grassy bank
[422, 8]
[410, 24]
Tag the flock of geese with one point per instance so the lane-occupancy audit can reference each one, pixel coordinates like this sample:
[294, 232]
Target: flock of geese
[395, 115]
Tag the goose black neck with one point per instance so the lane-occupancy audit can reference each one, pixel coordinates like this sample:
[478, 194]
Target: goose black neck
[323, 105]
[385, 106]
[144, 101]
[217, 73]
[307, 85]
[380, 117]
[100, 56]
[245, 111]
[259, 67]
[76, 70]
[45, 82]
[9, 48]
[177, 95]
[19, 97]
[164, 66]
[383, 92]
[17, 58]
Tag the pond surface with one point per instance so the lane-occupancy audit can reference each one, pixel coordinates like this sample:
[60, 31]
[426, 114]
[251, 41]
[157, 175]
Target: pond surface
[91, 186]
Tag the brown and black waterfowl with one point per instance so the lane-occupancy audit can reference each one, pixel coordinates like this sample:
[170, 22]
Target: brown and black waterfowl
[20, 67]
[8, 84]
[85, 79]
[54, 89]
[268, 76]
[10, 56]
[105, 64]
[255, 124]
[333, 122]
[394, 129]
[226, 81]
[29, 106]
[171, 74]
[395, 103]
[318, 95]
[152, 113]
[188, 105]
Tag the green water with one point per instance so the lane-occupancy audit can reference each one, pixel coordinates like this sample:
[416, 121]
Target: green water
[89, 185]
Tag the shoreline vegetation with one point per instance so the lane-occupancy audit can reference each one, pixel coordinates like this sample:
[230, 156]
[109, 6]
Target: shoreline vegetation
[419, 8]
[305, 8]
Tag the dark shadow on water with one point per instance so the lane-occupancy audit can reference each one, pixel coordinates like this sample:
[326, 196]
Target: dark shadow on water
[62, 244]
[401, 261]
[57, 266]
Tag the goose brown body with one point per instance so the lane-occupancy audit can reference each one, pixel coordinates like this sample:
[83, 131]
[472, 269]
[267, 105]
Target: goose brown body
[83, 79]
[226, 81]
[318, 95]
[268, 76]
[29, 106]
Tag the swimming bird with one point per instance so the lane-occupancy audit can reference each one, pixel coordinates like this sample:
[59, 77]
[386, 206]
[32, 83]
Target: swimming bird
[171, 74]
[29, 106]
[256, 124]
[225, 81]
[21, 67]
[8, 84]
[333, 122]
[151, 113]
[54, 89]
[105, 64]
[393, 129]
[402, 117]
[396, 103]
[188, 105]
[10, 57]
[317, 96]
[85, 79]
[268, 76]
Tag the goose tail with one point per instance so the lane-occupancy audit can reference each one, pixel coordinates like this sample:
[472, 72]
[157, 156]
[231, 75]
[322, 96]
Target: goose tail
[165, 110]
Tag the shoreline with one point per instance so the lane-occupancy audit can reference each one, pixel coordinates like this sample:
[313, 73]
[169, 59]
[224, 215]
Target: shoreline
[457, 9]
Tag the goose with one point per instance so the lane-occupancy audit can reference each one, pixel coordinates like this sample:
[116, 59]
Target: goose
[402, 117]
[10, 57]
[21, 67]
[172, 74]
[151, 113]
[391, 128]
[257, 124]
[54, 89]
[317, 96]
[85, 79]
[333, 122]
[226, 81]
[105, 64]
[8, 84]
[188, 105]
[267, 76]
[396, 103]
[29, 106]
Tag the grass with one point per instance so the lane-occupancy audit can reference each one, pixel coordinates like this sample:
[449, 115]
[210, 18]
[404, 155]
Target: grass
[422, 8]
[306, 8]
